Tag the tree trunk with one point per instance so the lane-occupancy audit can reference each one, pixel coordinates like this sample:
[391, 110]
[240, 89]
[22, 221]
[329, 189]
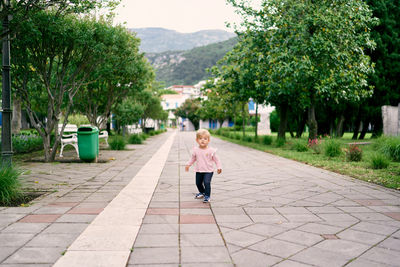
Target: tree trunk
[364, 130]
[256, 128]
[283, 116]
[339, 126]
[300, 127]
[47, 148]
[16, 116]
[312, 122]
[357, 126]
[244, 119]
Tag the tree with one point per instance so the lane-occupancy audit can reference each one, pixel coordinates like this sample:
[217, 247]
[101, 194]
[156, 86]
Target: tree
[128, 112]
[124, 72]
[190, 110]
[314, 50]
[54, 55]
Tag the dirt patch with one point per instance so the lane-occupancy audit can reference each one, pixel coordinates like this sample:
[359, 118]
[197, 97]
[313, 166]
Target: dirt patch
[23, 199]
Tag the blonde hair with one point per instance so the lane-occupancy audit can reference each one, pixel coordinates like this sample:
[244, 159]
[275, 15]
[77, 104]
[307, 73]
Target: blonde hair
[202, 132]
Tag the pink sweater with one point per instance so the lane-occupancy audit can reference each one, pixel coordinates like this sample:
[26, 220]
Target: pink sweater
[204, 159]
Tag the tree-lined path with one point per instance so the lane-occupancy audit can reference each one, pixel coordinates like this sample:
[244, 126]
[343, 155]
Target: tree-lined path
[264, 211]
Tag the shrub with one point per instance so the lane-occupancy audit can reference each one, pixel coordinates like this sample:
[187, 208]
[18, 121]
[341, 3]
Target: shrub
[144, 136]
[231, 135]
[379, 161]
[332, 148]
[315, 145]
[299, 146]
[135, 139]
[77, 119]
[354, 153]
[238, 136]
[390, 146]
[247, 138]
[117, 143]
[266, 139]
[218, 132]
[280, 142]
[152, 133]
[25, 143]
[9, 185]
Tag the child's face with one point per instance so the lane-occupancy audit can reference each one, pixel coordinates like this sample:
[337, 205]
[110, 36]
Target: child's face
[203, 141]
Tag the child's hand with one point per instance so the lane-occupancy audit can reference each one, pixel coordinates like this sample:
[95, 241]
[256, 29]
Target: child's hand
[187, 168]
[219, 171]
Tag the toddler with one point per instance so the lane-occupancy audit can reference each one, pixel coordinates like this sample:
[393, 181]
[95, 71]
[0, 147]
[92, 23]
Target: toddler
[204, 157]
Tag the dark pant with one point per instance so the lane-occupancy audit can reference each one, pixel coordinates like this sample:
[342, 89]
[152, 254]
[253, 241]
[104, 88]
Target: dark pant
[203, 182]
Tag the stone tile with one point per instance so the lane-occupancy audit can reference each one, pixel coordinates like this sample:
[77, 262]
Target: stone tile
[329, 236]
[52, 240]
[247, 257]
[372, 227]
[348, 248]
[201, 240]
[302, 218]
[198, 229]
[25, 228]
[334, 217]
[162, 211]
[300, 237]
[156, 240]
[290, 263]
[196, 219]
[232, 248]
[293, 210]
[163, 219]
[359, 262]
[233, 218]
[320, 229]
[52, 210]
[234, 225]
[228, 211]
[268, 218]
[393, 215]
[14, 239]
[64, 204]
[159, 229]
[361, 237]
[196, 211]
[277, 248]
[382, 255]
[370, 202]
[78, 210]
[40, 218]
[391, 243]
[319, 257]
[35, 256]
[266, 230]
[65, 228]
[5, 252]
[371, 216]
[325, 209]
[76, 218]
[194, 204]
[164, 204]
[241, 239]
[93, 259]
[206, 265]
[205, 255]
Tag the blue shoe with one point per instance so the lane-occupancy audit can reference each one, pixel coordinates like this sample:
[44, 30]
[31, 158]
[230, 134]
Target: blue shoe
[206, 199]
[199, 195]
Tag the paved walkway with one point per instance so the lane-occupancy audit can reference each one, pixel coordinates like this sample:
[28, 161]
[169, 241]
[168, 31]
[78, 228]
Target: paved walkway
[265, 211]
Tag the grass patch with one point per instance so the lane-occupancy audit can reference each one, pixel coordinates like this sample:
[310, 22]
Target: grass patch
[117, 143]
[363, 169]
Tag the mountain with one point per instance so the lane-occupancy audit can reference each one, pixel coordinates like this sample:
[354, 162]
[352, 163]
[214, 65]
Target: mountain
[157, 40]
[188, 67]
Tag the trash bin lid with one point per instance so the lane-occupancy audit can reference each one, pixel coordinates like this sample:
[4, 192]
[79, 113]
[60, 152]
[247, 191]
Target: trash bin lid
[87, 130]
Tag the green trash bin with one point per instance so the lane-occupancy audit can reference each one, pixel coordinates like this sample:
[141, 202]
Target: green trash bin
[88, 143]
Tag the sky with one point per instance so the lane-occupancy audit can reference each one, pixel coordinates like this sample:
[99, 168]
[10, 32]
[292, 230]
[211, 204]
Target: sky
[180, 15]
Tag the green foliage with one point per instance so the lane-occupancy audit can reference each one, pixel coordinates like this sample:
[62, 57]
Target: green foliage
[354, 153]
[10, 187]
[274, 121]
[25, 143]
[390, 147]
[117, 143]
[332, 148]
[128, 112]
[299, 145]
[152, 133]
[315, 145]
[379, 161]
[144, 136]
[248, 138]
[77, 119]
[190, 110]
[266, 140]
[280, 142]
[135, 139]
